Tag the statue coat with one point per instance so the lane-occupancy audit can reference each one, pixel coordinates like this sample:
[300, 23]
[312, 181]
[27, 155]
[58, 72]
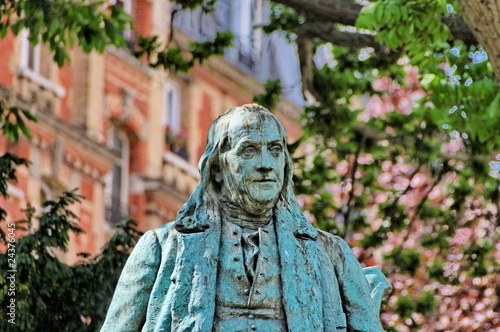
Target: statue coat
[169, 282]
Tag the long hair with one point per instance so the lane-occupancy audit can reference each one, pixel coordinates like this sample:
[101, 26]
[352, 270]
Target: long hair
[202, 208]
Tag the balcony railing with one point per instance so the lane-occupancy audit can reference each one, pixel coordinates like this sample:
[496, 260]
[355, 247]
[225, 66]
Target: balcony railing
[39, 92]
[179, 174]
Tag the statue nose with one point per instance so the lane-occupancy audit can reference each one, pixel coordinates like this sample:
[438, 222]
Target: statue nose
[265, 169]
[265, 162]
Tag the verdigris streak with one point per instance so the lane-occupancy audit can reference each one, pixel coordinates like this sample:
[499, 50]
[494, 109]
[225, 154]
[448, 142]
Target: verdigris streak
[241, 256]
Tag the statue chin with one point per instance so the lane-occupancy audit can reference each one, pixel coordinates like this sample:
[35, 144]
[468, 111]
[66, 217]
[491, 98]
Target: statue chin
[252, 206]
[256, 203]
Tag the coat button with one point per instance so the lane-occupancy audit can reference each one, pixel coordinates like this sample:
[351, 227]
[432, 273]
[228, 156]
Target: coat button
[247, 291]
[253, 327]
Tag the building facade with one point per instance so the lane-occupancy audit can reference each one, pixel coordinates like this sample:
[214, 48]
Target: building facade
[129, 137]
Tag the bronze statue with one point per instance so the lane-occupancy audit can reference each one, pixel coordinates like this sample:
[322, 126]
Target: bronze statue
[240, 255]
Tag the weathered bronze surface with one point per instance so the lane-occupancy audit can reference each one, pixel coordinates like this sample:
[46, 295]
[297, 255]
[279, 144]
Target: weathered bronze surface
[241, 256]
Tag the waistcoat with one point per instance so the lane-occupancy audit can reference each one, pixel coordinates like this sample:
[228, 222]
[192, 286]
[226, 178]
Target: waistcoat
[243, 304]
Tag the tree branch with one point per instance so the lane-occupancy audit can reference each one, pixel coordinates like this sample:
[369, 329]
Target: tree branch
[484, 19]
[420, 205]
[327, 32]
[377, 135]
[405, 191]
[498, 202]
[336, 11]
[460, 30]
[348, 205]
[346, 13]
[306, 54]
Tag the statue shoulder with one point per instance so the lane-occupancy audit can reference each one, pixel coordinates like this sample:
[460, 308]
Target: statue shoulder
[164, 230]
[334, 243]
[160, 234]
[332, 238]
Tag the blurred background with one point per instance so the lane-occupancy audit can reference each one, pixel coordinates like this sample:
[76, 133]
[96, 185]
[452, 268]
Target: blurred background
[392, 109]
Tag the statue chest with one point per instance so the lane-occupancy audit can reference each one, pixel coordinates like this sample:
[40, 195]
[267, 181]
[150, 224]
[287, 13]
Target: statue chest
[248, 280]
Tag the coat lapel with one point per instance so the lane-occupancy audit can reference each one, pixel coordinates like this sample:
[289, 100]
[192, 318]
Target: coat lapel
[196, 280]
[300, 274]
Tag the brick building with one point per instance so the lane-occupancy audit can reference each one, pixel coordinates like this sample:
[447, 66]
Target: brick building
[129, 137]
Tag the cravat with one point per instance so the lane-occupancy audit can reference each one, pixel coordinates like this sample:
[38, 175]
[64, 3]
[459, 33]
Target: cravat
[250, 245]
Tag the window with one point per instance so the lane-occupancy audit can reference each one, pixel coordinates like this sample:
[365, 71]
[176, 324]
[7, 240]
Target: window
[117, 181]
[45, 194]
[175, 136]
[201, 24]
[250, 14]
[37, 65]
[172, 108]
[126, 5]
[30, 54]
[36, 73]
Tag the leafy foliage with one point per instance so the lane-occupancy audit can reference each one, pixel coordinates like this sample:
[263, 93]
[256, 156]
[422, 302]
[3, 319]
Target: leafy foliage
[271, 97]
[60, 23]
[13, 121]
[172, 58]
[412, 25]
[49, 293]
[283, 19]
[8, 162]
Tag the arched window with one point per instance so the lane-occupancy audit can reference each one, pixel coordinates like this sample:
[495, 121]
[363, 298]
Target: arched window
[36, 66]
[117, 180]
[30, 54]
[172, 108]
[175, 136]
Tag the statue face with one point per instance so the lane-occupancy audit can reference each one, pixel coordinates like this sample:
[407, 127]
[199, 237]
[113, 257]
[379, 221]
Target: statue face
[252, 170]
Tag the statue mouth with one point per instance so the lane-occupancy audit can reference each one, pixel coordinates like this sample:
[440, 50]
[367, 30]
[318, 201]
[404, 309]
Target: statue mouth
[265, 180]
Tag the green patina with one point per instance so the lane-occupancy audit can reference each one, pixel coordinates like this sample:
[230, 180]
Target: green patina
[241, 256]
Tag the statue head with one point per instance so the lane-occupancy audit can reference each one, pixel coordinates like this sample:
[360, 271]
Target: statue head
[245, 162]
[249, 170]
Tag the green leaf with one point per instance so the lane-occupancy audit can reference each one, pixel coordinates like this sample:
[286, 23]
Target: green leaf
[406, 306]
[3, 30]
[17, 26]
[29, 115]
[427, 80]
[22, 126]
[493, 110]
[366, 17]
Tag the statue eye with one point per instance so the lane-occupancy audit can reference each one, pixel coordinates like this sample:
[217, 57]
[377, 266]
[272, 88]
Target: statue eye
[249, 151]
[276, 149]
